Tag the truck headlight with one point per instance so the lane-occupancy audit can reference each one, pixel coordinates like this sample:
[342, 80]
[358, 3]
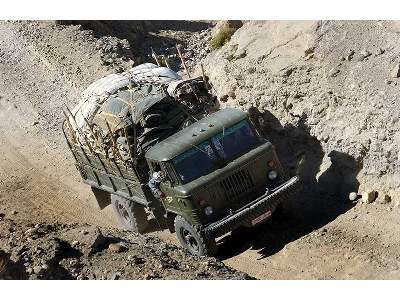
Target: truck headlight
[272, 175]
[208, 210]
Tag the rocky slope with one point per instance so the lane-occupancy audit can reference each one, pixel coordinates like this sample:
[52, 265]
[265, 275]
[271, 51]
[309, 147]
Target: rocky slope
[59, 251]
[281, 72]
[326, 91]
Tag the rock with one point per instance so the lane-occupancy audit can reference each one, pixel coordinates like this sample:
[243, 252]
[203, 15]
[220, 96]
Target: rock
[34, 123]
[75, 243]
[73, 262]
[136, 260]
[369, 197]
[4, 260]
[364, 54]
[90, 239]
[384, 199]
[395, 73]
[309, 56]
[29, 271]
[380, 51]
[117, 248]
[287, 72]
[350, 55]
[309, 50]
[333, 72]
[115, 276]
[151, 275]
[2, 216]
[14, 212]
[241, 54]
[224, 98]
[251, 70]
[353, 196]
[37, 269]
[31, 231]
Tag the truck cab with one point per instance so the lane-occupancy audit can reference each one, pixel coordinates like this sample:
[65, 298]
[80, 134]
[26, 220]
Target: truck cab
[220, 174]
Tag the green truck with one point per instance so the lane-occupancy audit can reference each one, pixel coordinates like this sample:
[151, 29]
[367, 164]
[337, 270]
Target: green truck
[201, 180]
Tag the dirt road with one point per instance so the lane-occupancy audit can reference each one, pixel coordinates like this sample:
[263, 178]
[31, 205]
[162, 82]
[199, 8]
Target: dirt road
[39, 182]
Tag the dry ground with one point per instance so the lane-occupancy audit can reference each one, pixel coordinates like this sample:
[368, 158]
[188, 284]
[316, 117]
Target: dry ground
[38, 181]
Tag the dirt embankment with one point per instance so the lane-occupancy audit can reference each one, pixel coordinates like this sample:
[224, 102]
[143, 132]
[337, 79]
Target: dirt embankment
[44, 66]
[332, 82]
[59, 251]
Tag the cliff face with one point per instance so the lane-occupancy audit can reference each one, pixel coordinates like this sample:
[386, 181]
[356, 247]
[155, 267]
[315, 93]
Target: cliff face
[335, 82]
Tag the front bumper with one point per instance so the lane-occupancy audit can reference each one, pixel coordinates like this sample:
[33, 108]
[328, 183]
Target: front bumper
[266, 202]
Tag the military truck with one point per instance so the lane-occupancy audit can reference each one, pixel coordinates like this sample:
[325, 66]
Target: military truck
[218, 172]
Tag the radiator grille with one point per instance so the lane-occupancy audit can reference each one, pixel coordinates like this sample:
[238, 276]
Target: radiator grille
[237, 184]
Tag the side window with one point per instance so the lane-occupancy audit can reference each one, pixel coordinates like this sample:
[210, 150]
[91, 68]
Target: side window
[155, 167]
[167, 168]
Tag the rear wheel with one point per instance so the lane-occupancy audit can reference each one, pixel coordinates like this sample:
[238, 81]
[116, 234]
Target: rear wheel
[131, 215]
[192, 239]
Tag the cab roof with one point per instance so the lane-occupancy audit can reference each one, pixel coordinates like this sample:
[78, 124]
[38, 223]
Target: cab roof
[195, 134]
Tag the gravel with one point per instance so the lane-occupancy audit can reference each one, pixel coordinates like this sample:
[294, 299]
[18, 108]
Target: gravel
[133, 257]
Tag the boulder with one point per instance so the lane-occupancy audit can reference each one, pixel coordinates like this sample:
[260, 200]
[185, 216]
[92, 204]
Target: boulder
[384, 199]
[369, 197]
[90, 239]
[117, 248]
[395, 197]
[353, 196]
[395, 73]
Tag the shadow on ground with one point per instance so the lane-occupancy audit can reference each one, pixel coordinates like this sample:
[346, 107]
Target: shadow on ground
[155, 226]
[324, 195]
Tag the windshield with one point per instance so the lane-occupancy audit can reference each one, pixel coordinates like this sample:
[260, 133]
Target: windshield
[195, 162]
[202, 158]
[234, 140]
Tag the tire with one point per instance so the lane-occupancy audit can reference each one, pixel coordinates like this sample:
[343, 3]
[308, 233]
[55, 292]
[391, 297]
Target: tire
[282, 210]
[192, 239]
[131, 215]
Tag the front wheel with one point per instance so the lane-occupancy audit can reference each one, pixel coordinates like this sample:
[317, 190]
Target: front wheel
[131, 215]
[192, 239]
